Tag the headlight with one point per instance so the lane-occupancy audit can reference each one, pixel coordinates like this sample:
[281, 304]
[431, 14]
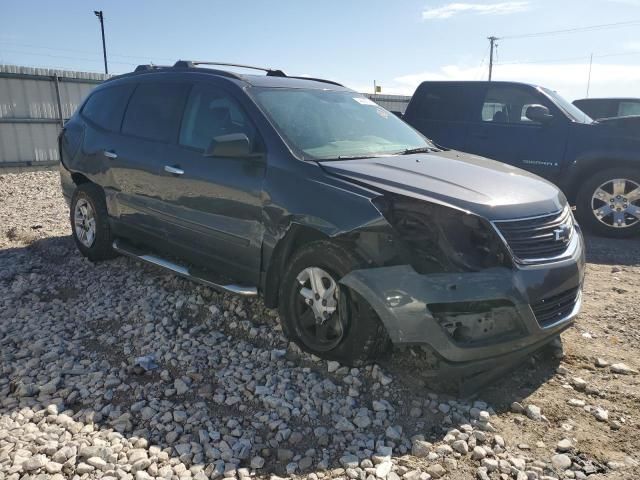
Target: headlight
[442, 239]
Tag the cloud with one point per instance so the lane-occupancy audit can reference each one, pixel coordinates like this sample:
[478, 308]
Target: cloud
[451, 9]
[570, 80]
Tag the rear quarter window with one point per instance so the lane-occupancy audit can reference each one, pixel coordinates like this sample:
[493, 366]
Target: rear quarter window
[155, 110]
[105, 107]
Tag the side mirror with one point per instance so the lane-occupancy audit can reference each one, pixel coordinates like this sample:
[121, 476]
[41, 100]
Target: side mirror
[231, 145]
[538, 113]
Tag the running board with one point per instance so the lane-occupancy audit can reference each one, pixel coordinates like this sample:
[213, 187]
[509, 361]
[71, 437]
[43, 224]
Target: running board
[120, 247]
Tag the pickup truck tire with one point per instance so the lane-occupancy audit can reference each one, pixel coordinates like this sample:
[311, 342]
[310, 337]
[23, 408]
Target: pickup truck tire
[610, 193]
[89, 223]
[323, 317]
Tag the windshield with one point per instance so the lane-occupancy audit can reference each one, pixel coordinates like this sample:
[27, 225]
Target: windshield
[570, 109]
[334, 125]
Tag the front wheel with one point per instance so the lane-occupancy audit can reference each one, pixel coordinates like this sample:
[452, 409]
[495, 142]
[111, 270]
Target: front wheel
[324, 317]
[608, 203]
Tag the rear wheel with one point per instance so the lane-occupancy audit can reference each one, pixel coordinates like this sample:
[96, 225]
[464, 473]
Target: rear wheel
[608, 203]
[324, 317]
[90, 224]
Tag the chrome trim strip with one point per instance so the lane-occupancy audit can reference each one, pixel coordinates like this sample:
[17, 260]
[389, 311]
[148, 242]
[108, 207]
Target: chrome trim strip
[184, 272]
[571, 244]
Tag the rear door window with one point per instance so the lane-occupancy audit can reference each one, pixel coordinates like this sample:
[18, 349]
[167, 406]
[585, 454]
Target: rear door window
[212, 112]
[508, 104]
[106, 106]
[446, 102]
[628, 108]
[154, 111]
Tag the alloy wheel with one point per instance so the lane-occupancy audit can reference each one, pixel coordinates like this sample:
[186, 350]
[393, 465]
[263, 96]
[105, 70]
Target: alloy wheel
[615, 203]
[320, 319]
[85, 222]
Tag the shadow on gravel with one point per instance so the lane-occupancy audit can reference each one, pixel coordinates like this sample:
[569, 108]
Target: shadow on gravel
[230, 391]
[611, 251]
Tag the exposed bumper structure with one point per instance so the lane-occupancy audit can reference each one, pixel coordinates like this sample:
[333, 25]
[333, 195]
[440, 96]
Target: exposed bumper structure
[476, 316]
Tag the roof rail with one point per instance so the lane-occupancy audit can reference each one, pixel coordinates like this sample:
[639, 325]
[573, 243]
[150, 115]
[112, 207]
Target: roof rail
[314, 79]
[142, 68]
[194, 63]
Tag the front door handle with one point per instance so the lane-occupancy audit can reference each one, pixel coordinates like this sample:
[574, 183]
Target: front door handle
[174, 170]
[110, 154]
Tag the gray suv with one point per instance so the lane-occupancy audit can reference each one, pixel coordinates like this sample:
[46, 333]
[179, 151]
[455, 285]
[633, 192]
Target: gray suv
[362, 232]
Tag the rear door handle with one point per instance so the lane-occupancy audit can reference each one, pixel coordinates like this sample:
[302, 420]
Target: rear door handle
[174, 170]
[110, 154]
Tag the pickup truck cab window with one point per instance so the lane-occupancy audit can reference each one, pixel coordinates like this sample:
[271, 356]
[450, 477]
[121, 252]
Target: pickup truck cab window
[508, 105]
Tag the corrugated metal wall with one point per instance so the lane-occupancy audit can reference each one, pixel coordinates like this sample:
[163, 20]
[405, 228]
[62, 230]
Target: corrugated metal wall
[33, 104]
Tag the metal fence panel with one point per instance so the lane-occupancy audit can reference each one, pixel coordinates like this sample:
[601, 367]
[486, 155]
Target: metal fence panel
[31, 112]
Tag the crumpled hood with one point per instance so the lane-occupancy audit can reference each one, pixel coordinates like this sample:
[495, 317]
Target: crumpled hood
[485, 187]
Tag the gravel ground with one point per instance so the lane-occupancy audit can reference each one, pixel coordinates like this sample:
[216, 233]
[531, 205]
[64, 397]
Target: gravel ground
[230, 397]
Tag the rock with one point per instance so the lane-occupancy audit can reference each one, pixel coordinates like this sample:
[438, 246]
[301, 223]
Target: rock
[460, 446]
[534, 412]
[561, 461]
[478, 453]
[579, 384]
[601, 363]
[420, 448]
[601, 414]
[284, 455]
[332, 366]
[490, 464]
[34, 463]
[517, 407]
[622, 369]
[257, 462]
[481, 473]
[444, 450]
[575, 402]
[436, 470]
[383, 469]
[83, 468]
[349, 461]
[394, 433]
[53, 467]
[344, 425]
[97, 462]
[564, 445]
[180, 386]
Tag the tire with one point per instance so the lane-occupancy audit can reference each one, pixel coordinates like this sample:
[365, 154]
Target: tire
[89, 212]
[354, 333]
[586, 203]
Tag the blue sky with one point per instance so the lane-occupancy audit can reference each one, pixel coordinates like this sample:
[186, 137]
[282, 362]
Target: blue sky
[397, 43]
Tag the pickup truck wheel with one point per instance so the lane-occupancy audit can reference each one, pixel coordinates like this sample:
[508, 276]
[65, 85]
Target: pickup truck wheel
[324, 317]
[89, 223]
[608, 204]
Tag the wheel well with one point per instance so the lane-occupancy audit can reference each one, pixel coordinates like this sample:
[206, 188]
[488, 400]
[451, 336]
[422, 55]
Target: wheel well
[296, 237]
[79, 179]
[596, 166]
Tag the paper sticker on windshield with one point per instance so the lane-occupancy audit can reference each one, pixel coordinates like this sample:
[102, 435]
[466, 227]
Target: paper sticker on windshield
[364, 101]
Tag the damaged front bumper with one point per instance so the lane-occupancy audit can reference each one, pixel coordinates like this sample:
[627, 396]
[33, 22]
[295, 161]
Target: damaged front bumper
[475, 317]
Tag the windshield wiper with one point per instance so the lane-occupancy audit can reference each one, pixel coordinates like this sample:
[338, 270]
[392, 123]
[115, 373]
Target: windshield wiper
[410, 151]
[347, 157]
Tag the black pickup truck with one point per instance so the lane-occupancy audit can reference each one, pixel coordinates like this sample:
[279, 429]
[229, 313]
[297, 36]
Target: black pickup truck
[595, 163]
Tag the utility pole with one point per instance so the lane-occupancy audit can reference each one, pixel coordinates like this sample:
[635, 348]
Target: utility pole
[492, 45]
[98, 13]
[589, 78]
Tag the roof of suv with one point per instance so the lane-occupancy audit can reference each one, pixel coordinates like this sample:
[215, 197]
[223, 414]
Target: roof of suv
[273, 78]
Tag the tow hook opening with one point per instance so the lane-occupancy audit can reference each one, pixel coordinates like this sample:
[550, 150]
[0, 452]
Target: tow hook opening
[471, 323]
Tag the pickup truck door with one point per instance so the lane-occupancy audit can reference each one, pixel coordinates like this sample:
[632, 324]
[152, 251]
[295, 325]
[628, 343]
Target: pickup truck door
[501, 131]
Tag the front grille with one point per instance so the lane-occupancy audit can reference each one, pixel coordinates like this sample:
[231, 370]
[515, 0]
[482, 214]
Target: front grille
[540, 238]
[557, 307]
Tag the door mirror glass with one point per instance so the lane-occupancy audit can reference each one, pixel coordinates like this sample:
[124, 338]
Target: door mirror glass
[230, 145]
[538, 113]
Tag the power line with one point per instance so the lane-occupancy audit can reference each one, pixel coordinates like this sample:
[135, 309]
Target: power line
[589, 28]
[555, 60]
